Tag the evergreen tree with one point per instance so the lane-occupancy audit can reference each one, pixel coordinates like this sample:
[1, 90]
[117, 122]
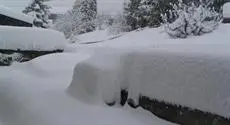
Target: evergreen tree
[40, 11]
[132, 13]
[87, 12]
[142, 13]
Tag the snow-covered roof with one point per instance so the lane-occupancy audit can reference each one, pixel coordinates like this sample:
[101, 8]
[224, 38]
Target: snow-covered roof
[226, 10]
[14, 14]
[27, 38]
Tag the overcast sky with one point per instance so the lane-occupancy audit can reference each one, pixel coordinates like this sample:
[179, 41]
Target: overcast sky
[108, 6]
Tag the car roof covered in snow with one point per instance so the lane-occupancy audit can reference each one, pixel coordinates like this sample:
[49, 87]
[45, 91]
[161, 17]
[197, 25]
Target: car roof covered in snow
[14, 14]
[226, 10]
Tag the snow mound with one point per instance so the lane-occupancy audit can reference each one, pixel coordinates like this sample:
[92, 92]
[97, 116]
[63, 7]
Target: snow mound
[33, 93]
[199, 80]
[37, 39]
[95, 80]
[157, 38]
[17, 15]
[95, 36]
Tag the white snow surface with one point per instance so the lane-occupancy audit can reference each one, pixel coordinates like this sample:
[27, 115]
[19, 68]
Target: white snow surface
[27, 38]
[95, 36]
[192, 72]
[49, 90]
[15, 14]
[33, 93]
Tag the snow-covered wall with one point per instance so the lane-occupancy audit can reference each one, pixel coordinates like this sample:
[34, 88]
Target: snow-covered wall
[198, 80]
[37, 39]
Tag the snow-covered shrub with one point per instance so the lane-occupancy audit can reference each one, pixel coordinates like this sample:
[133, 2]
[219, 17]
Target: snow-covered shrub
[40, 11]
[191, 19]
[7, 59]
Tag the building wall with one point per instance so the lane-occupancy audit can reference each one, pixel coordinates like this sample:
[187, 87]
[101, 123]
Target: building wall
[8, 21]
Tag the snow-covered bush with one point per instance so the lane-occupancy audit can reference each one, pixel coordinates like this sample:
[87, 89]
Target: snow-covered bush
[40, 11]
[191, 19]
[7, 59]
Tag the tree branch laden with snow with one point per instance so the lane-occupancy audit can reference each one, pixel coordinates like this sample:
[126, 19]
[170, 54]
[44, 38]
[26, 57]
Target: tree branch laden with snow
[40, 11]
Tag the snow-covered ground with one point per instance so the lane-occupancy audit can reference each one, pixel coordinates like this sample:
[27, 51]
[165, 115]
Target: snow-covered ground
[38, 92]
[33, 93]
[192, 72]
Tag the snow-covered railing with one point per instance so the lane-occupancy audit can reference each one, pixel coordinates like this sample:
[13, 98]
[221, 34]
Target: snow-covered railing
[195, 79]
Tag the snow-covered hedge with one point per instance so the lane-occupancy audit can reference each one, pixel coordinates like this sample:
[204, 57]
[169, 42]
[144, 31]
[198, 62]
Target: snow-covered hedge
[199, 80]
[7, 59]
[191, 19]
[36, 39]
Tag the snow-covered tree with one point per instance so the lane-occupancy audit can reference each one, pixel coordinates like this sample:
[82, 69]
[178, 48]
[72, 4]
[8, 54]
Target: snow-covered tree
[119, 24]
[191, 19]
[103, 21]
[142, 13]
[68, 24]
[132, 13]
[87, 13]
[40, 11]
[81, 19]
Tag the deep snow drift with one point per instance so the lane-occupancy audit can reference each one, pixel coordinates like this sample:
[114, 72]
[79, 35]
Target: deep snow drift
[193, 72]
[33, 93]
[190, 79]
[37, 39]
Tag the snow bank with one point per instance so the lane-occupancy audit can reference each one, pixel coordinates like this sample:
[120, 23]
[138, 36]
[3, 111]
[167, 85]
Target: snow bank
[196, 79]
[33, 93]
[17, 15]
[95, 36]
[23, 38]
[156, 38]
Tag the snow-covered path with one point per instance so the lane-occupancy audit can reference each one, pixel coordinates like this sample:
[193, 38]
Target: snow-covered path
[33, 93]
